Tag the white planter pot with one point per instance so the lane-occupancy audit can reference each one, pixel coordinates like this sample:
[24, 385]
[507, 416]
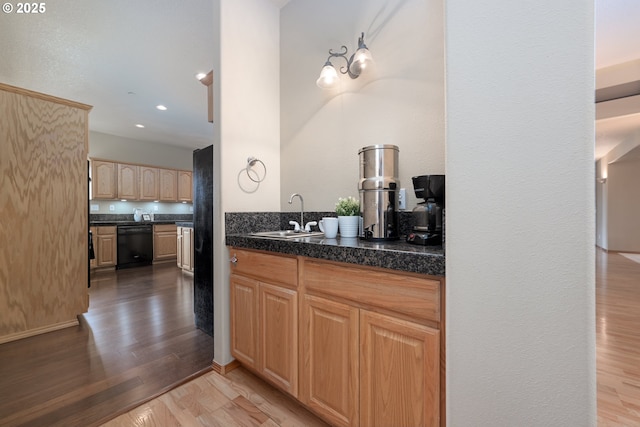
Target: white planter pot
[348, 226]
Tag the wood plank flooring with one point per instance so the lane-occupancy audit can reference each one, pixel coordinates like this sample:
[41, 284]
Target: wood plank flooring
[137, 341]
[618, 340]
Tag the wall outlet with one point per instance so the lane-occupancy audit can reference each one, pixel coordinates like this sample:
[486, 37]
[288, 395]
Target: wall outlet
[402, 199]
[112, 208]
[95, 208]
[155, 208]
[191, 209]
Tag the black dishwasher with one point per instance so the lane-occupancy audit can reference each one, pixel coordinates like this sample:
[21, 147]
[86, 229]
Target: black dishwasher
[135, 245]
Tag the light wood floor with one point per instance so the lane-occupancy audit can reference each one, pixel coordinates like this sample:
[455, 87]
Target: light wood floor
[618, 340]
[137, 341]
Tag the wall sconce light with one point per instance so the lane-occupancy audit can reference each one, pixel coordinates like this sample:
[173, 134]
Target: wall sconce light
[355, 64]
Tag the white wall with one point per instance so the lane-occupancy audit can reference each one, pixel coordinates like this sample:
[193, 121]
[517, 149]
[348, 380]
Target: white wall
[520, 213]
[623, 206]
[112, 147]
[246, 117]
[400, 101]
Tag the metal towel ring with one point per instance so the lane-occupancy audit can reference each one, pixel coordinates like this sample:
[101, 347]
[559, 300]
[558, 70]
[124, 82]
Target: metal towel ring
[251, 161]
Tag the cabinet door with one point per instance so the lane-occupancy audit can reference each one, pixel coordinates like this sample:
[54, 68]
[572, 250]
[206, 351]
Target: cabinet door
[185, 186]
[103, 180]
[278, 338]
[179, 246]
[187, 251]
[400, 372]
[164, 242]
[149, 184]
[127, 181]
[244, 318]
[168, 185]
[107, 246]
[329, 362]
[94, 235]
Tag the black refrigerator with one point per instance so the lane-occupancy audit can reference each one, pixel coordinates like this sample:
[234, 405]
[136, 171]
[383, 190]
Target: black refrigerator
[203, 238]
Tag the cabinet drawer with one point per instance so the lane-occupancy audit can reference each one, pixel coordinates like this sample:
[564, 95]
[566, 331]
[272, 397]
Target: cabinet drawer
[102, 230]
[280, 269]
[416, 297]
[159, 228]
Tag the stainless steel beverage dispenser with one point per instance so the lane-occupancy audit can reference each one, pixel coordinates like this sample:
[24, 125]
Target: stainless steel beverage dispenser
[378, 188]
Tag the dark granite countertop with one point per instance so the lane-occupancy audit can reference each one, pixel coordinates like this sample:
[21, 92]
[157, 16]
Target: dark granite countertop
[184, 224]
[396, 255]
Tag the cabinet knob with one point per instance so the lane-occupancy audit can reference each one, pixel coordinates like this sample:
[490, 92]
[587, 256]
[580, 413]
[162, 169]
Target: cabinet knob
[234, 259]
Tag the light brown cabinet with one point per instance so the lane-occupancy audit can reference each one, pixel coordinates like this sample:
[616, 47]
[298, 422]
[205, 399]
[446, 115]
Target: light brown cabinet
[329, 375]
[149, 189]
[164, 242]
[168, 185]
[103, 179]
[185, 186]
[369, 339]
[127, 181]
[105, 243]
[116, 180]
[264, 316]
[185, 248]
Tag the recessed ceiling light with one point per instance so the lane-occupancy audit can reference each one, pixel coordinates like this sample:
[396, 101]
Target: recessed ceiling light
[201, 76]
[139, 126]
[161, 107]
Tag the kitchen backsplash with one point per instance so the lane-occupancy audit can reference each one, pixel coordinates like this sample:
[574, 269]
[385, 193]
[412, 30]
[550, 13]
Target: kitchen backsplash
[119, 207]
[129, 217]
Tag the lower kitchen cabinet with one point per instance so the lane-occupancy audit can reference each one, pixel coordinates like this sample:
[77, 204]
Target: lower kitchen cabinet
[164, 242]
[264, 316]
[105, 246]
[367, 341]
[400, 369]
[184, 248]
[329, 362]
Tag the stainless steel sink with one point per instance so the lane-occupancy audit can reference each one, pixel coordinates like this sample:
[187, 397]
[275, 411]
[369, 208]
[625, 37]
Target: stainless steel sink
[287, 234]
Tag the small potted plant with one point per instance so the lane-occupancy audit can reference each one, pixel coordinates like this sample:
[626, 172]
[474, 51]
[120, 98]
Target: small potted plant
[348, 211]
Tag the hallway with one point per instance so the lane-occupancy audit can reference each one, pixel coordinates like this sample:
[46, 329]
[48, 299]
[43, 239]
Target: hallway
[138, 340]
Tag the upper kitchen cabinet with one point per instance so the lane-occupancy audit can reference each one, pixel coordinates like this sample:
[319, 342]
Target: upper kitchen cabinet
[149, 184]
[44, 263]
[103, 179]
[127, 181]
[168, 185]
[185, 186]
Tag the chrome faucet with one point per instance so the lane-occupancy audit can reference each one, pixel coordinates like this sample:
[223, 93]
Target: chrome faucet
[301, 208]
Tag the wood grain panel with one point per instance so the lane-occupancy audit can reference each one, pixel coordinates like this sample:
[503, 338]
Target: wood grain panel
[244, 318]
[280, 269]
[107, 244]
[168, 185]
[43, 200]
[127, 181]
[329, 360]
[103, 180]
[149, 184]
[185, 186]
[416, 297]
[400, 373]
[278, 338]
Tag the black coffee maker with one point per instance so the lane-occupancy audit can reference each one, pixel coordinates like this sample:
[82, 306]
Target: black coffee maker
[427, 215]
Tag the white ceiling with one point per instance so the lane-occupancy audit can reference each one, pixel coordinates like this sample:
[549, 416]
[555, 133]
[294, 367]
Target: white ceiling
[125, 57]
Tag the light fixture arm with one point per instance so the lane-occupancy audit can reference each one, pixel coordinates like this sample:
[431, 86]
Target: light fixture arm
[349, 61]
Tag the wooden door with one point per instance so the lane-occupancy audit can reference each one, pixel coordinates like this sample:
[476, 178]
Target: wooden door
[329, 361]
[127, 181]
[149, 184]
[244, 318]
[399, 372]
[187, 248]
[185, 186]
[107, 246]
[278, 336]
[103, 180]
[94, 235]
[168, 185]
[164, 241]
[179, 246]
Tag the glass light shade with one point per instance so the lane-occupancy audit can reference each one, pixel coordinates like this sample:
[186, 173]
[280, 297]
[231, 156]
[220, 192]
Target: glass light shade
[328, 77]
[361, 60]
